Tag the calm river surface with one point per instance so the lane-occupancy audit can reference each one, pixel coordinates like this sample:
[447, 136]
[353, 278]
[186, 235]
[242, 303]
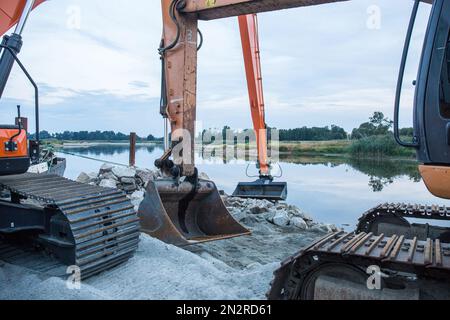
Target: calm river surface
[331, 190]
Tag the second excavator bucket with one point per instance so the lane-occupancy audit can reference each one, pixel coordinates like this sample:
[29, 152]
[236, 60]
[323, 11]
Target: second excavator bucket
[262, 189]
[184, 214]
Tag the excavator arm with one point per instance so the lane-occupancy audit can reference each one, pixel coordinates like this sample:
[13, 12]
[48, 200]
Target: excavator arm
[248, 25]
[11, 11]
[179, 55]
[183, 209]
[264, 187]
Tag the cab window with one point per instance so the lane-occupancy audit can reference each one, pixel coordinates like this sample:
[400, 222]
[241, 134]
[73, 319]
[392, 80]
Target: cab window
[445, 83]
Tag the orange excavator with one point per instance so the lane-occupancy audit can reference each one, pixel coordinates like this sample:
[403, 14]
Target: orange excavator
[85, 226]
[264, 187]
[387, 256]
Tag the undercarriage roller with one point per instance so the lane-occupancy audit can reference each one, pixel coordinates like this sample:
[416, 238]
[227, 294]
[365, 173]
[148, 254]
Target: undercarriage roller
[184, 213]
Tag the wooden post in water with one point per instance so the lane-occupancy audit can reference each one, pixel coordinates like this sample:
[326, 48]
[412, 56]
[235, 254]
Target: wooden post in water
[133, 136]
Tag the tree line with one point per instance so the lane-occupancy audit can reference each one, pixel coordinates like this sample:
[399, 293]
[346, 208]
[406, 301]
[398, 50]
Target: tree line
[91, 136]
[313, 134]
[378, 125]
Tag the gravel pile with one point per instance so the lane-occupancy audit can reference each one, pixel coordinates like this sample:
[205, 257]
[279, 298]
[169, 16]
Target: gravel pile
[247, 211]
[158, 271]
[279, 214]
[131, 180]
[238, 268]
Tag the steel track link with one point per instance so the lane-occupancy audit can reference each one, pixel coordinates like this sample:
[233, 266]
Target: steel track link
[402, 210]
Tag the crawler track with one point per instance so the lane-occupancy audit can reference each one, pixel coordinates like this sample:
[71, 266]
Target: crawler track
[423, 259]
[91, 227]
[402, 210]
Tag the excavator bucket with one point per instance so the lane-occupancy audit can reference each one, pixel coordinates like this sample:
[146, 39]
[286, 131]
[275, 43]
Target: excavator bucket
[183, 214]
[262, 189]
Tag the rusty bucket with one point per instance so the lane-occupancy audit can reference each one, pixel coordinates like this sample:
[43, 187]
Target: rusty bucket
[184, 214]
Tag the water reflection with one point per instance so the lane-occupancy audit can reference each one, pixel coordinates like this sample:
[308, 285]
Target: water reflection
[381, 173]
[111, 150]
[333, 190]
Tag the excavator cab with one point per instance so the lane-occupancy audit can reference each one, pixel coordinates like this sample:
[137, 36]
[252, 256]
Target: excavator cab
[432, 101]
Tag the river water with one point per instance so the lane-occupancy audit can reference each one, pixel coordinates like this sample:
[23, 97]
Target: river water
[330, 189]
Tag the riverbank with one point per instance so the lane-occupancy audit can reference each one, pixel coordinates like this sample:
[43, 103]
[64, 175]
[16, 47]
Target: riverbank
[84, 144]
[332, 147]
[376, 147]
[239, 268]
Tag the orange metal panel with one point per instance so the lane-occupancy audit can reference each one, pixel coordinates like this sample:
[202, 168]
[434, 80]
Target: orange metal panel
[22, 151]
[10, 11]
[181, 82]
[437, 180]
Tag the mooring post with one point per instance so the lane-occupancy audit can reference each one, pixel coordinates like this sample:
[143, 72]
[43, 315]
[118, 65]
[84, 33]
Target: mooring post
[132, 149]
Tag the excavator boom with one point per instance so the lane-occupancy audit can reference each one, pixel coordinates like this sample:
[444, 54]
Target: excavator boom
[217, 9]
[11, 11]
[264, 187]
[179, 54]
[248, 26]
[192, 211]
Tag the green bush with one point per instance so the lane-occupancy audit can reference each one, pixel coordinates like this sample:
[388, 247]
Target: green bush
[379, 147]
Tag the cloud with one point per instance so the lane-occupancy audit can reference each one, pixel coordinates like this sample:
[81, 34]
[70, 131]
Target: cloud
[321, 66]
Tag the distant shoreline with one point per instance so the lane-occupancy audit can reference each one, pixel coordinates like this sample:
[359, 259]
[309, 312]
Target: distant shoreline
[332, 148]
[87, 144]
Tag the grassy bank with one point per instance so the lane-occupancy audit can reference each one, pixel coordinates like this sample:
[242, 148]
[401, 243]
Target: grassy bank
[297, 148]
[375, 147]
[378, 147]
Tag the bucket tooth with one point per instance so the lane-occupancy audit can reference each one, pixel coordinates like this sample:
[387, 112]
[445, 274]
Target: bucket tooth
[175, 214]
[262, 189]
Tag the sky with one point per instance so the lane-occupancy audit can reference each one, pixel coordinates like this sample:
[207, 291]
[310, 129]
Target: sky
[97, 66]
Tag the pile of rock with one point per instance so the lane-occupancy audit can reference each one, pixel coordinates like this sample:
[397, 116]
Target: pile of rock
[133, 181]
[280, 214]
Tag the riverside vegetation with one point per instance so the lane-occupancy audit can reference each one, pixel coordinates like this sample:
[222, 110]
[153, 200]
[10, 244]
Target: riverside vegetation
[372, 139]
